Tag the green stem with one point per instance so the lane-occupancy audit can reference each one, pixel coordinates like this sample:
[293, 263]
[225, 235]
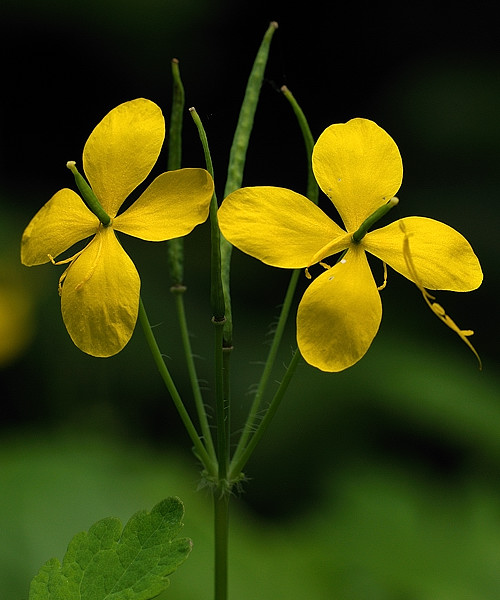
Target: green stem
[237, 158]
[266, 374]
[312, 186]
[222, 490]
[221, 539]
[170, 385]
[221, 404]
[222, 308]
[178, 292]
[218, 309]
[176, 256]
[216, 290]
[238, 465]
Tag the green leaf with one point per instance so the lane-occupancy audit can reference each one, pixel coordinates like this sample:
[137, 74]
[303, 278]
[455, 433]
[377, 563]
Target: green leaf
[107, 563]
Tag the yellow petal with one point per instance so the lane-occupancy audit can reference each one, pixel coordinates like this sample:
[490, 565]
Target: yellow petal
[358, 166]
[63, 221]
[279, 227]
[443, 258]
[339, 314]
[100, 296]
[170, 207]
[122, 150]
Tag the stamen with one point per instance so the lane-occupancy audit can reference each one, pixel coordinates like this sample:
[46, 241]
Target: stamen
[308, 275]
[382, 286]
[61, 281]
[436, 308]
[66, 260]
[70, 260]
[93, 266]
[325, 266]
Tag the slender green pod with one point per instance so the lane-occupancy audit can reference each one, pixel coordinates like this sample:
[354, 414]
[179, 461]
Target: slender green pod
[176, 246]
[237, 159]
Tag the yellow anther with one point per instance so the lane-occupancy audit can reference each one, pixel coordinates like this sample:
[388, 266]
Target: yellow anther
[438, 309]
[382, 286]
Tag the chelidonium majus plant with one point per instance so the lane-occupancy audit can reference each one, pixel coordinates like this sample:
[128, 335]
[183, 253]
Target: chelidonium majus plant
[356, 165]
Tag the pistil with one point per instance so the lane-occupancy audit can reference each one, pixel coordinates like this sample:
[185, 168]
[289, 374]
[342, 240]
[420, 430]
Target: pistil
[358, 235]
[88, 195]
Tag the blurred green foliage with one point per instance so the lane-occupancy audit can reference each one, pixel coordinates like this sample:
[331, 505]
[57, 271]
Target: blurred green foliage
[374, 529]
[380, 482]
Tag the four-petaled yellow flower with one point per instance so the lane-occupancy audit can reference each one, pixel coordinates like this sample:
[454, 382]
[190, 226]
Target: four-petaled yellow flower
[358, 166]
[100, 288]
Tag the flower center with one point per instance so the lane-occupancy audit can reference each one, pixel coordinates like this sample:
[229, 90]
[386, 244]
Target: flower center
[358, 235]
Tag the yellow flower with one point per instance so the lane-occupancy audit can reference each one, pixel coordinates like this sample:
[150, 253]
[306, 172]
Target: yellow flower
[100, 288]
[358, 166]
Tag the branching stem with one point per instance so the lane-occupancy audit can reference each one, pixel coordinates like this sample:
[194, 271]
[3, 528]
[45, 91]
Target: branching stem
[199, 448]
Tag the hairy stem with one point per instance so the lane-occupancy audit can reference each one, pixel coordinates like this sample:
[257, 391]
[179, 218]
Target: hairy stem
[266, 374]
[199, 448]
[238, 465]
[221, 536]
[178, 292]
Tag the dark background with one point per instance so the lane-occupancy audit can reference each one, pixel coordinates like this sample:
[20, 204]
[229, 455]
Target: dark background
[380, 482]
